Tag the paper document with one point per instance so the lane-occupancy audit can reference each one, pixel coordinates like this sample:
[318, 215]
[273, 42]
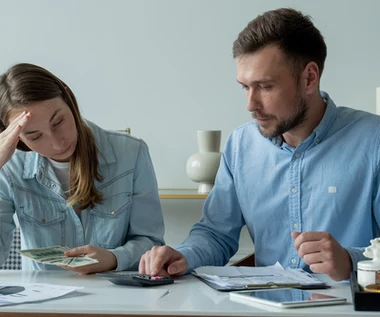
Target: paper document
[55, 255]
[244, 277]
[18, 293]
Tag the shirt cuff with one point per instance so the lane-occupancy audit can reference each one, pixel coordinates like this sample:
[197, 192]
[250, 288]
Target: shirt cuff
[188, 253]
[122, 260]
[356, 255]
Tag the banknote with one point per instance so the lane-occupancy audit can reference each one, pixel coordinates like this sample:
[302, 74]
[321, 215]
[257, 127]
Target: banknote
[44, 253]
[81, 260]
[55, 255]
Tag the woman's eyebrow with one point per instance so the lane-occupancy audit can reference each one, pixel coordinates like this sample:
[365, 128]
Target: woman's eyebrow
[51, 119]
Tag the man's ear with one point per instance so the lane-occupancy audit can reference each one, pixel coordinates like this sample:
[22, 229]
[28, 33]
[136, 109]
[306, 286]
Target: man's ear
[311, 77]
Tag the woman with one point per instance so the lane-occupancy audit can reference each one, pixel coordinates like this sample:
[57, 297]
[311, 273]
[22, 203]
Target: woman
[69, 182]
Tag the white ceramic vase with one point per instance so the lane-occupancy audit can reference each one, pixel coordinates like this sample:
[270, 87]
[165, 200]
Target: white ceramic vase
[202, 167]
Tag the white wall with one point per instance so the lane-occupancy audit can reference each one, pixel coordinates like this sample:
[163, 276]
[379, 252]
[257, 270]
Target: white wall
[165, 69]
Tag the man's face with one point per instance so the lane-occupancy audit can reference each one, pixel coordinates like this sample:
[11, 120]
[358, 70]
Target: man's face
[51, 129]
[274, 98]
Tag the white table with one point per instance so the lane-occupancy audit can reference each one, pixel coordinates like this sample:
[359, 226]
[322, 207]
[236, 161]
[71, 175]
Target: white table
[187, 297]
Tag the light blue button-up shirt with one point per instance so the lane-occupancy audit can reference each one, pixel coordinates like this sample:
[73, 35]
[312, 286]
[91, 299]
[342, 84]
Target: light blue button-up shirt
[330, 182]
[128, 222]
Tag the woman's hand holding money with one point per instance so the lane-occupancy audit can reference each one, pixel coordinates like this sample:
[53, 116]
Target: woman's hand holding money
[106, 259]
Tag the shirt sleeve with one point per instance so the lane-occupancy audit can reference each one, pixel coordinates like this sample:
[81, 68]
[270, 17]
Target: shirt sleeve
[146, 226]
[7, 210]
[215, 238]
[356, 253]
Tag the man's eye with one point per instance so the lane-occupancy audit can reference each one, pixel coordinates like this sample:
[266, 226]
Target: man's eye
[244, 87]
[265, 87]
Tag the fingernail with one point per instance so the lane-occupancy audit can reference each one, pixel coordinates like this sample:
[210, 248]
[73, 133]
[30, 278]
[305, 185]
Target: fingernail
[173, 270]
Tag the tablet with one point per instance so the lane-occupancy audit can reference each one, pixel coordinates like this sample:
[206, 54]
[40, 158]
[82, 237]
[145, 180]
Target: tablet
[286, 298]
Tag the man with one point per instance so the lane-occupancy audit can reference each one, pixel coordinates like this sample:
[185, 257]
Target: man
[303, 175]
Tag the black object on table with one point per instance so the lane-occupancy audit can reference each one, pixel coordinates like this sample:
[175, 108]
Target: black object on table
[135, 279]
[364, 301]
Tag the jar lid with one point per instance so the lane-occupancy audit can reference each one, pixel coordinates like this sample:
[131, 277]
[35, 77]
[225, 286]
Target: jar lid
[372, 288]
[369, 265]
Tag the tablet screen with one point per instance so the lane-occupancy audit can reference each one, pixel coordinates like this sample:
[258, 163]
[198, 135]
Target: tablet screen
[287, 297]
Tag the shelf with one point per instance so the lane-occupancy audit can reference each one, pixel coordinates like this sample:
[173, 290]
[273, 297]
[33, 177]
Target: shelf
[180, 193]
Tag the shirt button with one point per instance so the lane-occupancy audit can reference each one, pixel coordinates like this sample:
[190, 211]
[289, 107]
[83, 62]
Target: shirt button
[294, 190]
[317, 140]
[293, 261]
[112, 212]
[297, 155]
[295, 225]
[78, 233]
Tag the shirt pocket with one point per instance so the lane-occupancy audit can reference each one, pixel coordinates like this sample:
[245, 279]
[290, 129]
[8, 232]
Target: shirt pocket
[42, 221]
[110, 220]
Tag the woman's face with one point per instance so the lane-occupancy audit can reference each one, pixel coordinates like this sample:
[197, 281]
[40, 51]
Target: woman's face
[51, 129]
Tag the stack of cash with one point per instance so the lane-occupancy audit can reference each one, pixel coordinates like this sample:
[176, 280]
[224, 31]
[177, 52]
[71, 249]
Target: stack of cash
[55, 255]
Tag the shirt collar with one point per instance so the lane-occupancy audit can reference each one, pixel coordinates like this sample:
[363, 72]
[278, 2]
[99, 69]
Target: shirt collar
[321, 130]
[328, 118]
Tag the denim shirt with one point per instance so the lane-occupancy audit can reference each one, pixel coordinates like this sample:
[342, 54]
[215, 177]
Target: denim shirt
[128, 222]
[330, 182]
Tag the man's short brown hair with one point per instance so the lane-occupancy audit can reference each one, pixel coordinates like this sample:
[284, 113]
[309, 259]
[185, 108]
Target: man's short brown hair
[293, 32]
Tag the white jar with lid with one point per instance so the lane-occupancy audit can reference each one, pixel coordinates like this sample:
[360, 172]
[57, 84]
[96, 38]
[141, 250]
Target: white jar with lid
[368, 272]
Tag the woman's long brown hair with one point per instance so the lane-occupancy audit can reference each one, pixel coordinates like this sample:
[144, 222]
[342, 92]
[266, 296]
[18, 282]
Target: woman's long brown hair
[26, 83]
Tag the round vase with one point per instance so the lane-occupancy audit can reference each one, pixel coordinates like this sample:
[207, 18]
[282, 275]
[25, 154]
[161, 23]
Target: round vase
[202, 167]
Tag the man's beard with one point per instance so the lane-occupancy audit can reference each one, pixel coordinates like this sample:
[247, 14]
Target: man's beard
[295, 120]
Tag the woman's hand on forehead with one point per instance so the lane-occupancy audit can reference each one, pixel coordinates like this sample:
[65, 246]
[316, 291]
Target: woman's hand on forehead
[11, 135]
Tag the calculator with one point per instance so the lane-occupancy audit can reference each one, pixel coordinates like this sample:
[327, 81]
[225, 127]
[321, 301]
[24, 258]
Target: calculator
[135, 279]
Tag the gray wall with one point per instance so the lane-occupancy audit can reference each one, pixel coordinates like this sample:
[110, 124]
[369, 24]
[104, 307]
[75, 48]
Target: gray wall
[164, 68]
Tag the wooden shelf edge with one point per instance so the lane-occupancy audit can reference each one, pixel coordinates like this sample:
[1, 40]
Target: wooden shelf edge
[180, 193]
[183, 196]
